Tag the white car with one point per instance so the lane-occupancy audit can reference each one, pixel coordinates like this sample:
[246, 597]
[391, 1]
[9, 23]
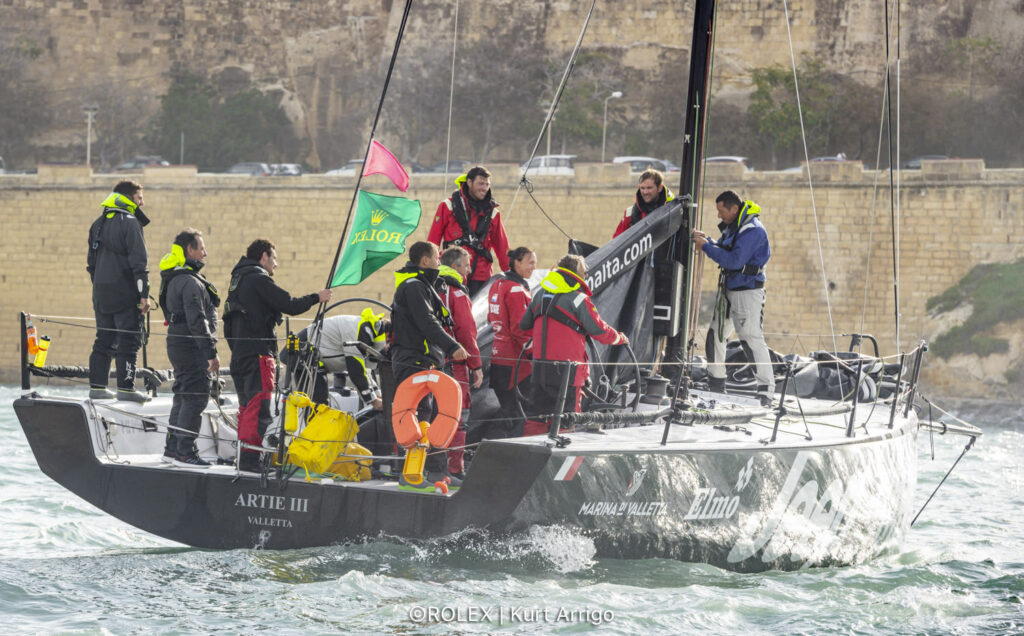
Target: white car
[639, 164]
[731, 159]
[347, 170]
[550, 164]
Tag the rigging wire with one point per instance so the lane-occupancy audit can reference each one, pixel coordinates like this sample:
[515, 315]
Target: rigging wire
[451, 101]
[884, 131]
[321, 310]
[551, 110]
[893, 185]
[810, 181]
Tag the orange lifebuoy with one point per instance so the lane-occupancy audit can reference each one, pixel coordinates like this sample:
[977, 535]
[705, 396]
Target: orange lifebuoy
[448, 395]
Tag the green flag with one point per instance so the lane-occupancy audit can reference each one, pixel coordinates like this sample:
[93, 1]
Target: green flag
[378, 235]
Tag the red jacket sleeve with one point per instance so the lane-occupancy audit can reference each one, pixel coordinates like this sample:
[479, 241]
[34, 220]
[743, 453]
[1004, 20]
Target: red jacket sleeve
[595, 325]
[436, 235]
[465, 326]
[499, 242]
[517, 301]
[624, 224]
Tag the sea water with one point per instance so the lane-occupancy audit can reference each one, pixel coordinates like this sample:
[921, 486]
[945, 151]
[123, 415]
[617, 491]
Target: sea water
[66, 567]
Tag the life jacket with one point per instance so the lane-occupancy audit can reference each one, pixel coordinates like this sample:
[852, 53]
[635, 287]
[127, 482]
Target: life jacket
[176, 264]
[748, 213]
[554, 287]
[115, 203]
[471, 239]
[234, 311]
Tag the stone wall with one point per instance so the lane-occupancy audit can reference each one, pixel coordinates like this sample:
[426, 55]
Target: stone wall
[955, 214]
[325, 60]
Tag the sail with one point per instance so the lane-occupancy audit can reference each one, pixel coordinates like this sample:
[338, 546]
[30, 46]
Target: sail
[621, 275]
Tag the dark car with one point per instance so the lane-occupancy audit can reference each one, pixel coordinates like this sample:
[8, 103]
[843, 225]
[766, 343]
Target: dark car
[915, 163]
[138, 163]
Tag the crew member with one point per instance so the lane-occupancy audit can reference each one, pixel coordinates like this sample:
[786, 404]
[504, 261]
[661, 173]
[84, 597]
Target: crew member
[742, 254]
[650, 195]
[508, 300]
[254, 306]
[470, 218]
[455, 267]
[118, 267]
[189, 303]
[335, 350]
[561, 316]
[419, 339]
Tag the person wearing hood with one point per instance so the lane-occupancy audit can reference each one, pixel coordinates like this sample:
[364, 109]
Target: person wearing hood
[189, 303]
[561, 317]
[742, 253]
[650, 195]
[118, 267]
[419, 319]
[254, 307]
[455, 268]
[469, 218]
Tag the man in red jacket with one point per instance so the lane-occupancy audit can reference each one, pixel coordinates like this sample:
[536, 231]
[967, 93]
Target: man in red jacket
[469, 218]
[562, 316]
[455, 267]
[651, 194]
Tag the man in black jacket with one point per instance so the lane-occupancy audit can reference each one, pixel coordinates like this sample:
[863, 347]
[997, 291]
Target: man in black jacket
[418, 319]
[254, 306]
[189, 304]
[117, 263]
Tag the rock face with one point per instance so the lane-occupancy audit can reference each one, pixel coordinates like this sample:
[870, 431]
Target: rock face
[325, 60]
[995, 377]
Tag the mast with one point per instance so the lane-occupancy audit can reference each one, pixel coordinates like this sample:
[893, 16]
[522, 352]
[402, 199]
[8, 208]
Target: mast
[673, 273]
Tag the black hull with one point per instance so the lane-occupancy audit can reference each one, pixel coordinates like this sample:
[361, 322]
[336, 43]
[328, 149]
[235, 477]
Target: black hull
[745, 508]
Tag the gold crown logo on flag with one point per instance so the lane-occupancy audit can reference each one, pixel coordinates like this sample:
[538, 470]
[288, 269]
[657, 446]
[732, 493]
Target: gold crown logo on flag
[377, 216]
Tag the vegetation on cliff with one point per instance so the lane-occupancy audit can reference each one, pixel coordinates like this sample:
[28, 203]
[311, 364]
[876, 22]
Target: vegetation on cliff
[995, 293]
[219, 129]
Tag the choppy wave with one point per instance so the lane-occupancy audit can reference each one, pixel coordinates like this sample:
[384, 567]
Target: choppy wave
[65, 566]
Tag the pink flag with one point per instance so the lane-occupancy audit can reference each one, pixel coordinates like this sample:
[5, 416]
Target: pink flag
[381, 161]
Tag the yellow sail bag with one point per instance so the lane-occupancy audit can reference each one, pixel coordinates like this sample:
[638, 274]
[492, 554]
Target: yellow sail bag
[323, 439]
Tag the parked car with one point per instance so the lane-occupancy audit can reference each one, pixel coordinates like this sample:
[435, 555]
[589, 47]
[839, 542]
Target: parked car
[731, 159]
[136, 164]
[915, 163]
[639, 164]
[347, 170]
[840, 157]
[251, 168]
[285, 169]
[551, 164]
[455, 166]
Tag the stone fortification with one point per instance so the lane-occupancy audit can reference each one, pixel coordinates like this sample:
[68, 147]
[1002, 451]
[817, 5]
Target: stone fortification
[325, 60]
[955, 214]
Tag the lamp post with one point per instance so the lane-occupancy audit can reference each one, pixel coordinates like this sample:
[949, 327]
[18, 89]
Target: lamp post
[604, 126]
[90, 112]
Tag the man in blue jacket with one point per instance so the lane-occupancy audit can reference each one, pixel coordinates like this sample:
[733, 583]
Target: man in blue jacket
[742, 254]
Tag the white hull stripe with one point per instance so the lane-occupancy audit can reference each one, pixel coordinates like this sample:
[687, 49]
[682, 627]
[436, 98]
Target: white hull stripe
[569, 467]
